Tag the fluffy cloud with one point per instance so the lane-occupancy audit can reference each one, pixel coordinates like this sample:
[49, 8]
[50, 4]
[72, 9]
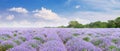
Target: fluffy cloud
[77, 6]
[46, 14]
[82, 21]
[10, 17]
[19, 10]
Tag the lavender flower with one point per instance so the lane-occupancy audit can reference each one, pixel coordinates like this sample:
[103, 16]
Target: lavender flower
[53, 45]
[20, 49]
[76, 44]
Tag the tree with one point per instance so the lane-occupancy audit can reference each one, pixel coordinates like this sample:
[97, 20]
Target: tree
[74, 24]
[117, 22]
[97, 24]
[111, 24]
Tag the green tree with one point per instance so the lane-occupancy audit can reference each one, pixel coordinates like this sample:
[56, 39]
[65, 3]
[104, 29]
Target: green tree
[98, 24]
[117, 22]
[111, 24]
[74, 24]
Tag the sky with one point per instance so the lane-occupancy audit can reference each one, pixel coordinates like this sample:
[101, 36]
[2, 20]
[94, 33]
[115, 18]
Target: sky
[53, 13]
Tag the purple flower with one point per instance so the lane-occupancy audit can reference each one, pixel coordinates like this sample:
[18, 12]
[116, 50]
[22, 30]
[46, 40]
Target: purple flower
[53, 45]
[77, 44]
[20, 49]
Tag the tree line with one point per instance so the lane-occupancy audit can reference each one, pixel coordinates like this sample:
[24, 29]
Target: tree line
[98, 24]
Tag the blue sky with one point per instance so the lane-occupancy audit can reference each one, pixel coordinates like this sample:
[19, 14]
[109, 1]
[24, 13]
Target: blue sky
[42, 13]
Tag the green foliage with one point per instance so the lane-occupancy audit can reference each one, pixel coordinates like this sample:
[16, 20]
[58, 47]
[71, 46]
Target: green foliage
[8, 36]
[86, 39]
[97, 42]
[67, 39]
[37, 38]
[8, 46]
[2, 48]
[40, 39]
[76, 34]
[115, 41]
[111, 24]
[34, 45]
[15, 34]
[117, 49]
[17, 42]
[98, 24]
[5, 47]
[117, 22]
[62, 27]
[103, 46]
[84, 49]
[112, 47]
[90, 34]
[74, 24]
[23, 39]
[3, 38]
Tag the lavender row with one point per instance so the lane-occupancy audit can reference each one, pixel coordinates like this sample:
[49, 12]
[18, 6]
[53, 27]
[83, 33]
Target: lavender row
[60, 39]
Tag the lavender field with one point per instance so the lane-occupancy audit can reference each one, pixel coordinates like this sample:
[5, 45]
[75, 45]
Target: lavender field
[60, 39]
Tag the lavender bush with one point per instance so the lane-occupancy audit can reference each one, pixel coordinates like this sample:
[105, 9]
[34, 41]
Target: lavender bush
[60, 39]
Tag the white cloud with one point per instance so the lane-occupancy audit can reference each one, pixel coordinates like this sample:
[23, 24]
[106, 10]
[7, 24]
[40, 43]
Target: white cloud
[77, 6]
[19, 10]
[46, 14]
[10, 17]
[82, 21]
